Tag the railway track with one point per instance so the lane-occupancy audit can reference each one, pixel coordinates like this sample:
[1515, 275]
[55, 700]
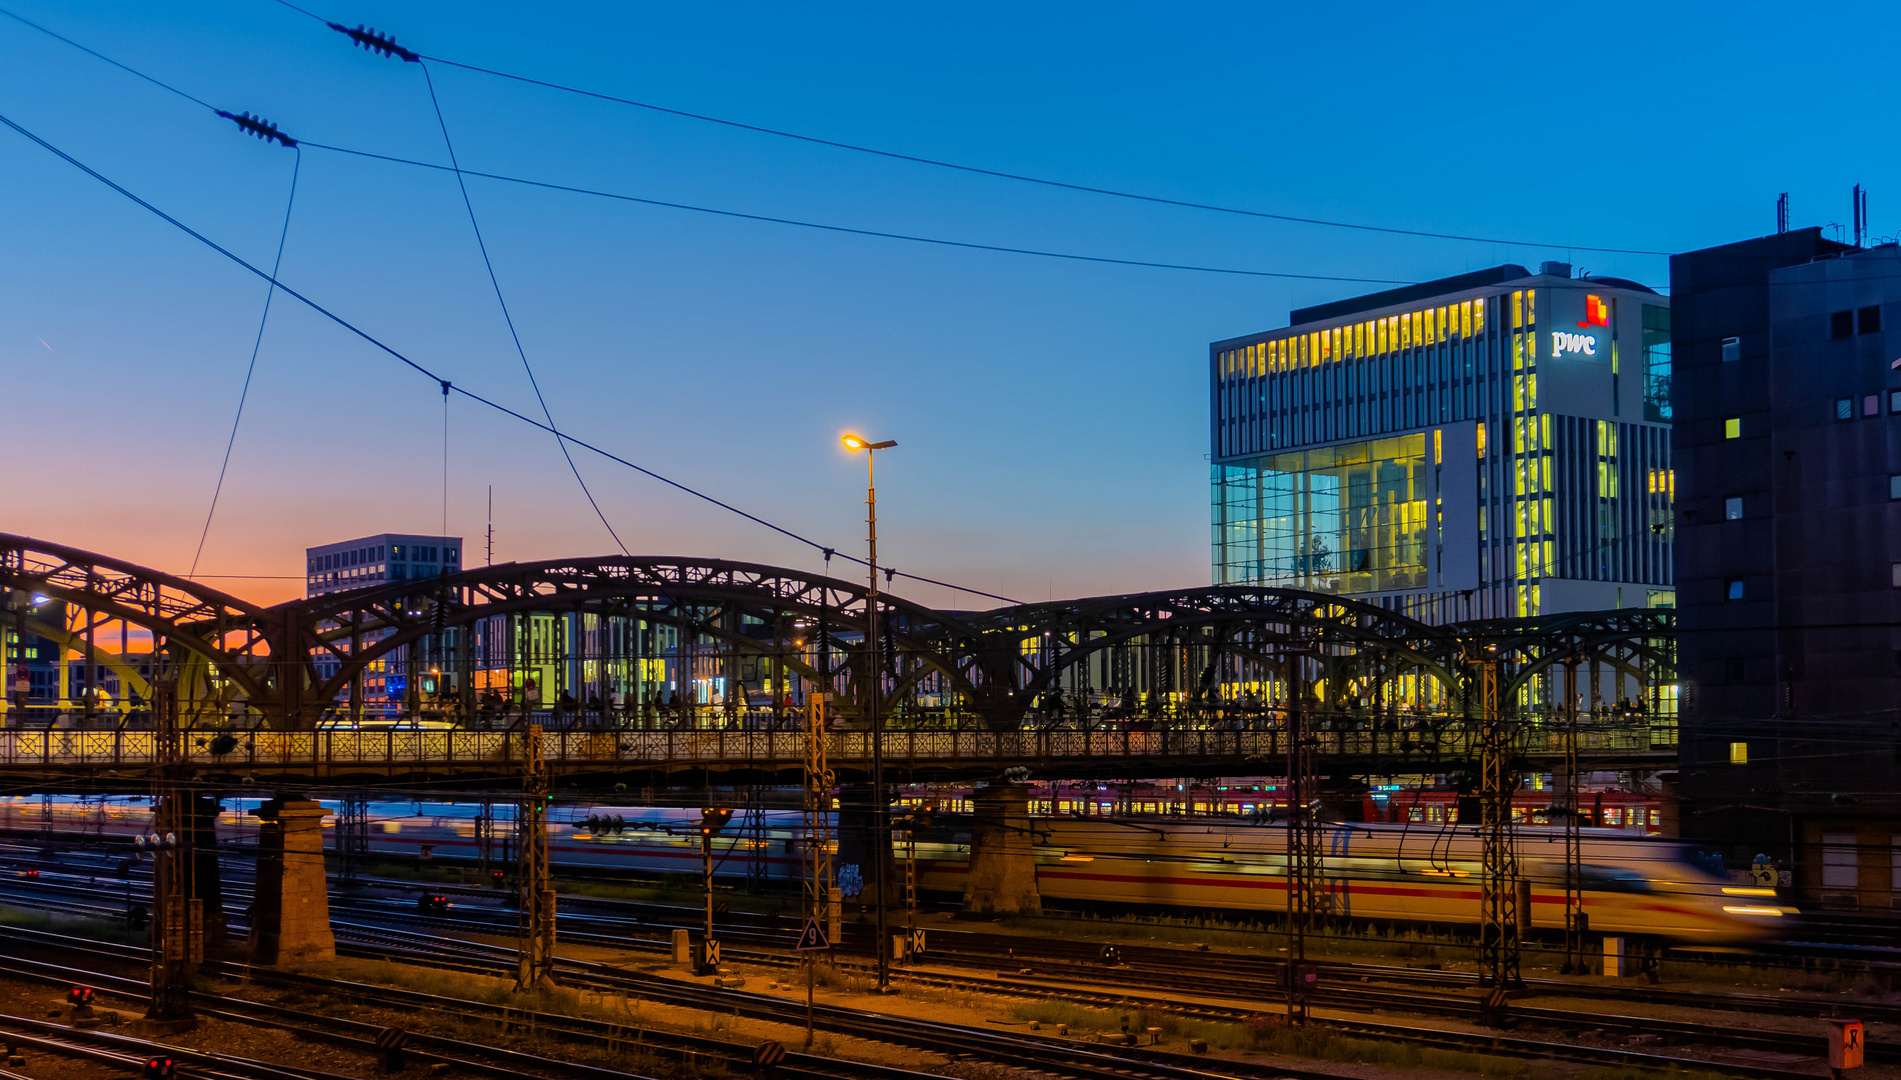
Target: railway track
[1071, 971]
[1047, 1057]
[1150, 971]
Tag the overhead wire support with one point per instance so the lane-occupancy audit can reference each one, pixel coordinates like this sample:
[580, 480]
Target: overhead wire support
[376, 41]
[257, 125]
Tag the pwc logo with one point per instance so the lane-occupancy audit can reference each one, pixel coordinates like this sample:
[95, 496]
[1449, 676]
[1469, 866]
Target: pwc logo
[1596, 312]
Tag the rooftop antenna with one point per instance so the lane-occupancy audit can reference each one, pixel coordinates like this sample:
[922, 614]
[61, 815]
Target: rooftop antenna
[1782, 212]
[1861, 214]
[491, 525]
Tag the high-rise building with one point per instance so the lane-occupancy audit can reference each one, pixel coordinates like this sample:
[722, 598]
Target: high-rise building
[1788, 450]
[375, 560]
[1492, 444]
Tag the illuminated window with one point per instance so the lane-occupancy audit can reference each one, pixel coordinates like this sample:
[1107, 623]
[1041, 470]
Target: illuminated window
[1733, 508]
[1871, 405]
[1733, 428]
[1465, 319]
[1735, 591]
[1531, 306]
[1481, 439]
[1732, 350]
[1739, 753]
[1844, 408]
[1518, 310]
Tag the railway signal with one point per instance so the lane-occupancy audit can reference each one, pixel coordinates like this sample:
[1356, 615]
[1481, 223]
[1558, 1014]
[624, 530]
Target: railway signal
[712, 820]
[159, 1068]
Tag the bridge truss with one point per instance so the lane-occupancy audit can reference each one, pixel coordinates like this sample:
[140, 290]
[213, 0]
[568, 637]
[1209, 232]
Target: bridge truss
[677, 644]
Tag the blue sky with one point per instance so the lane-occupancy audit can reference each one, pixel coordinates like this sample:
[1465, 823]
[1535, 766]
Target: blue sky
[1052, 415]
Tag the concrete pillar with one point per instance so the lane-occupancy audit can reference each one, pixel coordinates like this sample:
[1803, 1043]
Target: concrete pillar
[291, 923]
[857, 840]
[1002, 878]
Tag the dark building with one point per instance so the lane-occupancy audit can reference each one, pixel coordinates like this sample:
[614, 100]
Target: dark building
[1787, 403]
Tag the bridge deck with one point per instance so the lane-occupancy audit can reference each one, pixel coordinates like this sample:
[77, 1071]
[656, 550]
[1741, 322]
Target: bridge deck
[122, 760]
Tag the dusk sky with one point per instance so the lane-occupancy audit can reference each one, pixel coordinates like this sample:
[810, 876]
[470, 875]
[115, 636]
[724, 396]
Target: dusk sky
[1051, 415]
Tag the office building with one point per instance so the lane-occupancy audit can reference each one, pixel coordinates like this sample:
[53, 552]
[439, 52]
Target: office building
[379, 560]
[1788, 450]
[1492, 444]
[376, 560]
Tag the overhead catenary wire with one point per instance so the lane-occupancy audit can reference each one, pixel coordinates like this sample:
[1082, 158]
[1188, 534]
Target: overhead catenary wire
[513, 334]
[1000, 174]
[464, 391]
[263, 129]
[883, 234]
[244, 394]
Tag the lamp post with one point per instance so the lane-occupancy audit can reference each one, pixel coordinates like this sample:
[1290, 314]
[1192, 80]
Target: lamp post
[881, 805]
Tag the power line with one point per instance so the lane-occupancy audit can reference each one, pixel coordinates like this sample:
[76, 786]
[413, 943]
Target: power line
[999, 173]
[471, 395]
[855, 231]
[244, 394]
[266, 130]
[500, 300]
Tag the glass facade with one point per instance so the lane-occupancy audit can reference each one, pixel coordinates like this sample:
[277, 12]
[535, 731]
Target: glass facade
[1656, 363]
[1350, 518]
[1470, 454]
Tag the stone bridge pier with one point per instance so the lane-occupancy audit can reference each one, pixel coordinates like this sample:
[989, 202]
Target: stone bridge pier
[1002, 879]
[291, 923]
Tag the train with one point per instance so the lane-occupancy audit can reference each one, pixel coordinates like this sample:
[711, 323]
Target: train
[1388, 872]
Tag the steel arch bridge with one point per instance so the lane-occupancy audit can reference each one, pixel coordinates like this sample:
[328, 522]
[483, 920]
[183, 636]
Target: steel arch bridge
[560, 642]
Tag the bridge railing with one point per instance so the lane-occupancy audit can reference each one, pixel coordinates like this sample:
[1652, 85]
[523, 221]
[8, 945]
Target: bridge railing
[326, 750]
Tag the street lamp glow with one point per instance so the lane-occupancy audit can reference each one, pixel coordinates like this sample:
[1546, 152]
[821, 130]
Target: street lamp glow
[857, 442]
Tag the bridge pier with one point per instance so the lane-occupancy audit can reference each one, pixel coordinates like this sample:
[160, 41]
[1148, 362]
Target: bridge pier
[857, 840]
[207, 886]
[1002, 879]
[291, 923]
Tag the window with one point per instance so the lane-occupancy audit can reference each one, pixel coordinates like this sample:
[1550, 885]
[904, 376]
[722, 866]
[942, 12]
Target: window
[1838, 860]
[1895, 571]
[1735, 589]
[396, 551]
[1871, 405]
[1870, 320]
[1894, 401]
[1739, 753]
[1733, 508]
[1894, 486]
[1735, 673]
[1844, 408]
[1841, 325]
[1732, 349]
[1733, 428]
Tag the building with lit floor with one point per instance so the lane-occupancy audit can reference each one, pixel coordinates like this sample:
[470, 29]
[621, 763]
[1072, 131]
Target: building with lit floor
[1492, 444]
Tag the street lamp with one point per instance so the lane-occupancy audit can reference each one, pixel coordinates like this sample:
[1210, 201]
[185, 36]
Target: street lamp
[881, 805]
